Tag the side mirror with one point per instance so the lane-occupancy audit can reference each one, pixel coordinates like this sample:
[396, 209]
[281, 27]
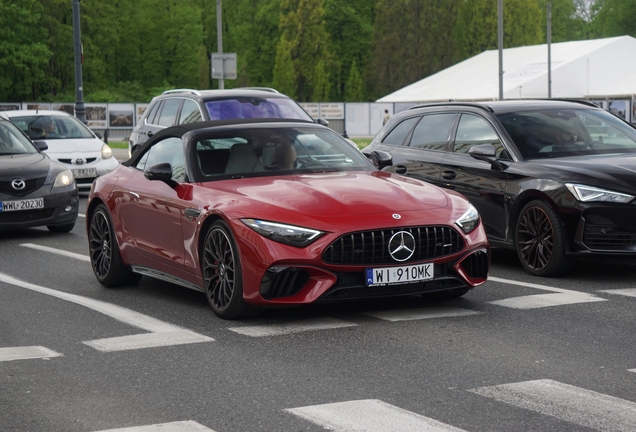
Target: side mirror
[161, 172]
[487, 153]
[322, 121]
[41, 145]
[380, 158]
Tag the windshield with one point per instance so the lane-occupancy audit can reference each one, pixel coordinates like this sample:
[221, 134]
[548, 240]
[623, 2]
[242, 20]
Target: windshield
[276, 151]
[553, 133]
[48, 127]
[255, 107]
[12, 141]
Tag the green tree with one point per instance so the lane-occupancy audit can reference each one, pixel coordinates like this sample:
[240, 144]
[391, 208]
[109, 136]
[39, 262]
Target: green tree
[354, 90]
[284, 78]
[302, 25]
[614, 18]
[567, 24]
[24, 54]
[321, 83]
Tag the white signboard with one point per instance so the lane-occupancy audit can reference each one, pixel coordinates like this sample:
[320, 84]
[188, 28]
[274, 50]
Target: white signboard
[357, 119]
[332, 111]
[313, 109]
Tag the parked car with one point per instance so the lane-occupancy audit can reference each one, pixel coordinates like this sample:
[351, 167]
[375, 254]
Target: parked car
[267, 212]
[69, 142]
[553, 180]
[34, 190]
[184, 106]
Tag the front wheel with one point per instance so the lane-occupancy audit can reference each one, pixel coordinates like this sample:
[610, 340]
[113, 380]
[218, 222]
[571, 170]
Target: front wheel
[222, 274]
[104, 252]
[540, 240]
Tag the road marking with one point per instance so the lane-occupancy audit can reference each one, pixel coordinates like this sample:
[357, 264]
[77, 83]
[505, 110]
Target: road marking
[57, 251]
[631, 370]
[26, 352]
[370, 415]
[629, 292]
[572, 404]
[81, 215]
[559, 298]
[160, 329]
[294, 327]
[182, 426]
[418, 314]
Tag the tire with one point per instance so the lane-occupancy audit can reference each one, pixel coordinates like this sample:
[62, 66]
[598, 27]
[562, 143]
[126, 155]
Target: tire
[446, 295]
[222, 274]
[61, 228]
[104, 252]
[540, 240]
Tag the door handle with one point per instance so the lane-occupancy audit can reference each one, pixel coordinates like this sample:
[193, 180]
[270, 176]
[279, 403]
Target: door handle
[192, 213]
[134, 196]
[449, 175]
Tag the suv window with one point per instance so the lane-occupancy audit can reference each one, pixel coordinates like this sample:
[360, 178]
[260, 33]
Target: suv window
[433, 131]
[400, 132]
[474, 130]
[153, 112]
[168, 114]
[190, 112]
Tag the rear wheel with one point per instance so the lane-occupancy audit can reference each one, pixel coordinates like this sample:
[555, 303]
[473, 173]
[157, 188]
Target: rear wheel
[222, 274]
[104, 252]
[540, 240]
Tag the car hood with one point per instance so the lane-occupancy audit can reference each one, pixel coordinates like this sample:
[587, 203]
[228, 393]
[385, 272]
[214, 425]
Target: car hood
[74, 145]
[340, 194]
[24, 166]
[604, 171]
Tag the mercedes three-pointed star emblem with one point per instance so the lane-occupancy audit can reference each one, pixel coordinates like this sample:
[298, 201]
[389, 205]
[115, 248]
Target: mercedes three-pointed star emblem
[402, 246]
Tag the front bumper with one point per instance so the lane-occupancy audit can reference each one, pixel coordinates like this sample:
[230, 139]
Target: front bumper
[606, 231]
[59, 208]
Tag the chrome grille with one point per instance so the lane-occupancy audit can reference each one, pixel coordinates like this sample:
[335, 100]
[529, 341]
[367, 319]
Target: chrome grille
[372, 247]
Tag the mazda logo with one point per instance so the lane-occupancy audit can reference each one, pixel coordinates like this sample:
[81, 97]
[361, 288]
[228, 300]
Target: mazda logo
[18, 184]
[402, 246]
[79, 161]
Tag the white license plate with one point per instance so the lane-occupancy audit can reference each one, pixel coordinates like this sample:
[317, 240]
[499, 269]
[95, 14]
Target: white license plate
[85, 172]
[28, 204]
[399, 275]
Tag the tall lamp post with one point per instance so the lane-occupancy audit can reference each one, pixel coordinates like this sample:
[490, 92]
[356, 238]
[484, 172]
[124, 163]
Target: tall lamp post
[500, 43]
[80, 109]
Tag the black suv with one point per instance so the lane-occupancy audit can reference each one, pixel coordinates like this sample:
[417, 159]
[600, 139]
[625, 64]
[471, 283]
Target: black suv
[551, 179]
[180, 106]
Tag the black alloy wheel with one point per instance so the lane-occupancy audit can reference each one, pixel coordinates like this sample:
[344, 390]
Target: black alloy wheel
[222, 275]
[540, 240]
[104, 252]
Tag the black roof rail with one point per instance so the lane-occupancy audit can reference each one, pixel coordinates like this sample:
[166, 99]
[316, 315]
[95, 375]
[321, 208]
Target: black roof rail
[580, 101]
[452, 103]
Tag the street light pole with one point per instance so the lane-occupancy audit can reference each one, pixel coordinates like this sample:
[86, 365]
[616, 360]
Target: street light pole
[500, 38]
[549, 51]
[219, 39]
[80, 109]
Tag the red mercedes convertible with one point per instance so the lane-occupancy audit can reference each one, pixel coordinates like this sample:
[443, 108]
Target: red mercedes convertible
[276, 212]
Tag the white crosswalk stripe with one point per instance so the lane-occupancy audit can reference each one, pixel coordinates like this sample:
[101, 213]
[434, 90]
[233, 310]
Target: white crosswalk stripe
[313, 324]
[421, 313]
[628, 292]
[370, 415]
[559, 297]
[182, 426]
[569, 403]
[26, 352]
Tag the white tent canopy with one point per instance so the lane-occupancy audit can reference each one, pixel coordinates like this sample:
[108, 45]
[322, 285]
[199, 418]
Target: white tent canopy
[592, 69]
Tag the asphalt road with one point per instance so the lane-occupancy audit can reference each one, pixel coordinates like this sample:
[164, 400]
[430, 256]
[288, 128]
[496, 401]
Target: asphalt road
[518, 353]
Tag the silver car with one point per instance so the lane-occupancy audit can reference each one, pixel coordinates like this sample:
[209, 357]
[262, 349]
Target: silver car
[69, 141]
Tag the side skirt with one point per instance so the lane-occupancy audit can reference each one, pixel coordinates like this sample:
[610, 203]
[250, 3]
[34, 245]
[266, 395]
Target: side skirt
[165, 277]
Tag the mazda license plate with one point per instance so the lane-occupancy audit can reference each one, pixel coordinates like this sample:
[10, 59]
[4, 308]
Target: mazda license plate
[85, 172]
[28, 204]
[399, 275]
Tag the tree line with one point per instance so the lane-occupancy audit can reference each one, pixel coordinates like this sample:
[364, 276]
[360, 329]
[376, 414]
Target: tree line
[312, 50]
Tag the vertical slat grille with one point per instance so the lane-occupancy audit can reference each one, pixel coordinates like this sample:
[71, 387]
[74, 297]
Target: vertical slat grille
[372, 247]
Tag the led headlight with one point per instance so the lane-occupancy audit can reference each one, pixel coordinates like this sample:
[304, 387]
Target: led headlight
[64, 178]
[288, 234]
[590, 194]
[469, 220]
[106, 151]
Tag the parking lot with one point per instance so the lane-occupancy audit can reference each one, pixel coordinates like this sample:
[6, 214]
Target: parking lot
[519, 353]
